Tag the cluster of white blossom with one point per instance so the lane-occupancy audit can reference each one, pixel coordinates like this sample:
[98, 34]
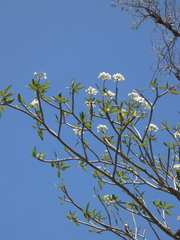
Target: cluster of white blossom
[106, 76]
[90, 104]
[109, 200]
[91, 91]
[118, 77]
[177, 167]
[177, 134]
[40, 75]
[109, 95]
[35, 103]
[77, 131]
[102, 128]
[134, 96]
[152, 128]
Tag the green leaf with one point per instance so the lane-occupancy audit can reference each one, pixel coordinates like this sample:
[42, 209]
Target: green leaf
[9, 100]
[40, 133]
[84, 168]
[82, 116]
[72, 82]
[65, 167]
[33, 154]
[168, 213]
[7, 89]
[100, 184]
[174, 92]
[78, 224]
[32, 86]
[3, 108]
[20, 98]
[46, 99]
[169, 206]
[69, 217]
[87, 207]
[59, 173]
[116, 207]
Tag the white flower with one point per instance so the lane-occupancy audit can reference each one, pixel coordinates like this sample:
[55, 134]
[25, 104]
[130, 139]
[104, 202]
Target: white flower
[77, 131]
[178, 218]
[140, 100]
[109, 200]
[35, 103]
[90, 103]
[91, 91]
[118, 77]
[40, 75]
[133, 96]
[146, 104]
[104, 76]
[152, 128]
[177, 167]
[102, 128]
[177, 134]
[109, 95]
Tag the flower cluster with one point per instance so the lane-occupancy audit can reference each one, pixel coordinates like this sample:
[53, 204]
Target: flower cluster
[91, 91]
[109, 95]
[152, 128]
[177, 167]
[77, 131]
[35, 103]
[90, 104]
[40, 75]
[102, 128]
[134, 96]
[118, 77]
[106, 76]
[109, 199]
[177, 134]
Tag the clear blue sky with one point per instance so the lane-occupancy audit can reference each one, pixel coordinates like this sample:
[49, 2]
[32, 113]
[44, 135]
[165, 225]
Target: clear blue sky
[65, 39]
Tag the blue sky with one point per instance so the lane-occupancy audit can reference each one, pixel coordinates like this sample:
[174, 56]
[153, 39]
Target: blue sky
[65, 39]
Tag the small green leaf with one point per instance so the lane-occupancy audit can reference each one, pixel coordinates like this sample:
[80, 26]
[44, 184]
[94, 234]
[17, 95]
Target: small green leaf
[7, 89]
[78, 224]
[100, 184]
[64, 167]
[9, 100]
[174, 92]
[84, 168]
[3, 108]
[33, 154]
[168, 213]
[59, 173]
[20, 98]
[87, 207]
[40, 133]
[69, 217]
[116, 207]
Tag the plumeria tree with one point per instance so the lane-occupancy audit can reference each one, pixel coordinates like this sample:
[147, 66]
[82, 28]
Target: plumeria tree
[130, 169]
[128, 161]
